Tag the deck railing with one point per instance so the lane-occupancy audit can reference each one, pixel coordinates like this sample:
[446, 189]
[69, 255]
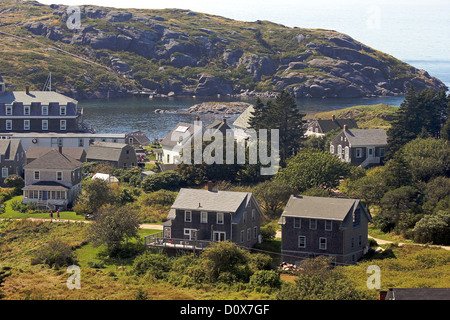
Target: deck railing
[159, 241]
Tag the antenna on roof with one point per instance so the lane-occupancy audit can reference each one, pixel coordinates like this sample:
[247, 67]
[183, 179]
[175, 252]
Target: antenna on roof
[48, 83]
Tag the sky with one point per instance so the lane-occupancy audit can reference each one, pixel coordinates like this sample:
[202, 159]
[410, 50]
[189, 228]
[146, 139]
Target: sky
[406, 29]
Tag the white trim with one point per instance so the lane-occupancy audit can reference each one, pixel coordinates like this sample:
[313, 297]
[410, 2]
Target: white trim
[304, 242]
[10, 125]
[217, 218]
[3, 172]
[203, 220]
[300, 222]
[311, 226]
[26, 127]
[62, 176]
[326, 243]
[61, 127]
[185, 216]
[42, 124]
[331, 225]
[29, 110]
[219, 233]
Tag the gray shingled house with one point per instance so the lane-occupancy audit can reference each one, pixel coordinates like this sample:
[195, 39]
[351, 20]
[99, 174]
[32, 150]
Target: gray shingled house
[119, 155]
[360, 147]
[39, 111]
[320, 127]
[52, 181]
[313, 226]
[206, 214]
[12, 158]
[34, 153]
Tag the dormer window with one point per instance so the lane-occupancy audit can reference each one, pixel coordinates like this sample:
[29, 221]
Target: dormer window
[45, 110]
[9, 110]
[62, 110]
[26, 110]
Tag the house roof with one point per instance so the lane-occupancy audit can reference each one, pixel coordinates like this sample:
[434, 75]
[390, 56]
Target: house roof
[104, 176]
[46, 185]
[366, 137]
[109, 151]
[219, 201]
[328, 125]
[44, 97]
[54, 160]
[181, 130]
[218, 125]
[242, 120]
[140, 137]
[319, 207]
[418, 294]
[35, 152]
[9, 148]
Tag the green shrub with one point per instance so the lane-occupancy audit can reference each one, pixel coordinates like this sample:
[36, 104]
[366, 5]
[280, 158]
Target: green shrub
[265, 278]
[157, 264]
[55, 253]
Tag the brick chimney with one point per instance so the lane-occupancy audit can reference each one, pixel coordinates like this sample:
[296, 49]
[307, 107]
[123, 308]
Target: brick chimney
[60, 149]
[210, 185]
[224, 120]
[345, 127]
[295, 192]
[333, 117]
[27, 89]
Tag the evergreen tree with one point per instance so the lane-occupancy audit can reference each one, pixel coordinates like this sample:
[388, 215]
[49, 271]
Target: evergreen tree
[421, 113]
[281, 114]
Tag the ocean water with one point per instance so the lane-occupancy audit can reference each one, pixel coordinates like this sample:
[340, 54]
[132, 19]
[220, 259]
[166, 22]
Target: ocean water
[414, 31]
[125, 115]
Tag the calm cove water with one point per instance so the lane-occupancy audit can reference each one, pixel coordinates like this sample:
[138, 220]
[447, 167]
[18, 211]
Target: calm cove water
[138, 113]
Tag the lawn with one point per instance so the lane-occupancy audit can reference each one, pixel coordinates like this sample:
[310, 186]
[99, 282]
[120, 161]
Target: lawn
[10, 213]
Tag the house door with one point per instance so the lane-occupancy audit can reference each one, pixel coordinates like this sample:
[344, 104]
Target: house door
[44, 195]
[370, 152]
[218, 236]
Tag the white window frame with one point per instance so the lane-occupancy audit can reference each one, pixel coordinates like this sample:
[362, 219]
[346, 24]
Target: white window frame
[57, 176]
[9, 110]
[313, 224]
[255, 232]
[358, 152]
[203, 217]
[4, 172]
[332, 149]
[330, 222]
[38, 175]
[44, 110]
[186, 216]
[188, 232]
[26, 110]
[222, 220]
[61, 126]
[253, 214]
[300, 243]
[215, 233]
[249, 234]
[61, 112]
[44, 124]
[299, 224]
[8, 125]
[323, 246]
[347, 153]
[339, 151]
[25, 126]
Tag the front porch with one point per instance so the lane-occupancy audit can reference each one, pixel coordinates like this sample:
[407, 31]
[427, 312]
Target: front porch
[50, 196]
[158, 240]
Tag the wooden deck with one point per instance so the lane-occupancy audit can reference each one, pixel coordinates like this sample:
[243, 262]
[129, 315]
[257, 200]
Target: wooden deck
[157, 240]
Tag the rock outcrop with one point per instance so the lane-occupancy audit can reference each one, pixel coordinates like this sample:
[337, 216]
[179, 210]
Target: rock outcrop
[186, 53]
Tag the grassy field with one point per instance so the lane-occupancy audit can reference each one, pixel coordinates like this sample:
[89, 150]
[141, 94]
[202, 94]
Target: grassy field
[103, 277]
[376, 116]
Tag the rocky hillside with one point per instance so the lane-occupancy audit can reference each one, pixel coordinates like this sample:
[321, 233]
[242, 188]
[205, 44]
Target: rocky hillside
[180, 52]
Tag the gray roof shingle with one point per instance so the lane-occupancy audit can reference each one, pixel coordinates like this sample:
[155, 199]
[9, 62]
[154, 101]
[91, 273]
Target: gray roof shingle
[54, 160]
[44, 97]
[366, 137]
[219, 201]
[109, 151]
[319, 207]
